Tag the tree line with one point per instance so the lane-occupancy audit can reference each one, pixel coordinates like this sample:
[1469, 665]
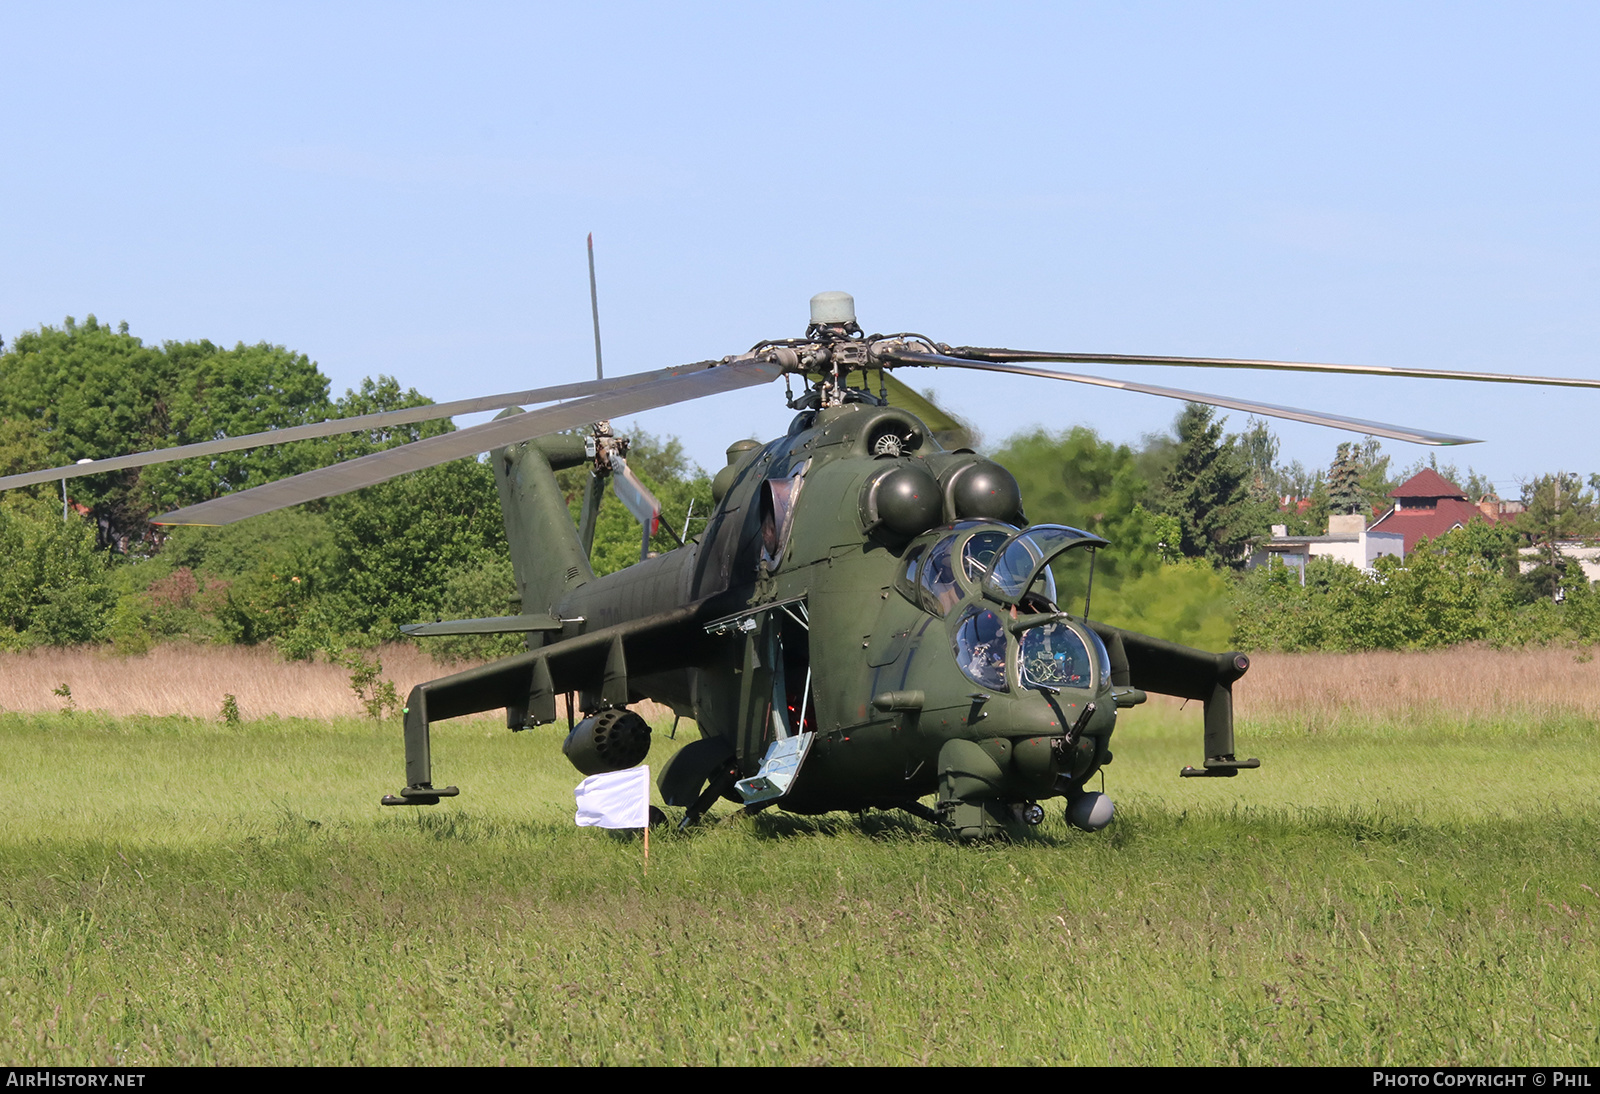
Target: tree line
[1179, 509]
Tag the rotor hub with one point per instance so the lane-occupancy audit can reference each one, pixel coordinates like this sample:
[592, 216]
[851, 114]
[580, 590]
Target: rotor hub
[833, 309]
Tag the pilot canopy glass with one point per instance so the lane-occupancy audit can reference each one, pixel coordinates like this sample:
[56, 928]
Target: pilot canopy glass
[1054, 656]
[953, 567]
[990, 558]
[1017, 564]
[980, 648]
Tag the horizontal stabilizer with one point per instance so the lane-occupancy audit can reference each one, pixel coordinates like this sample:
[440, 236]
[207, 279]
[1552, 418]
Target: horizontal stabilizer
[499, 624]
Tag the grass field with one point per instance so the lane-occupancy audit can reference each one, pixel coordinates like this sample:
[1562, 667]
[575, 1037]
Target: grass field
[1410, 878]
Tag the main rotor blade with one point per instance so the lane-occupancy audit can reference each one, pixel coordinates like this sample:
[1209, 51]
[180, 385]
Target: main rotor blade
[978, 353]
[680, 385]
[1335, 421]
[333, 426]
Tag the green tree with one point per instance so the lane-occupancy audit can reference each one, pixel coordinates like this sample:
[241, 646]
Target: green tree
[228, 393]
[400, 543]
[1449, 590]
[1345, 494]
[1077, 479]
[1358, 481]
[1559, 509]
[249, 582]
[1188, 601]
[1206, 490]
[91, 392]
[338, 572]
[476, 591]
[1423, 603]
[1258, 449]
[1376, 482]
[1274, 611]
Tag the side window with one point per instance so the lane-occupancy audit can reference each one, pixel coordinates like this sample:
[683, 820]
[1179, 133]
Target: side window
[778, 497]
[940, 592]
[906, 583]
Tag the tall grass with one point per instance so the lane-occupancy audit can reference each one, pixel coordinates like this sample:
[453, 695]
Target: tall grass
[1464, 690]
[191, 680]
[1464, 683]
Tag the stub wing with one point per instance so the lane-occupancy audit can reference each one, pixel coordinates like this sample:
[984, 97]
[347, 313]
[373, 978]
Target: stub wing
[526, 686]
[600, 661]
[1154, 664]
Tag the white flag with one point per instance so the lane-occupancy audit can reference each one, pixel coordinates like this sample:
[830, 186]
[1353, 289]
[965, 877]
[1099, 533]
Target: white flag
[617, 799]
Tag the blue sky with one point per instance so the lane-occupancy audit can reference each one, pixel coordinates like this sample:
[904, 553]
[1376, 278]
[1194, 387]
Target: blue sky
[406, 189]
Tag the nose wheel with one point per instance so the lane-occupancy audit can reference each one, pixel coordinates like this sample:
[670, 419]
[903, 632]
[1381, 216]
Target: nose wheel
[1029, 813]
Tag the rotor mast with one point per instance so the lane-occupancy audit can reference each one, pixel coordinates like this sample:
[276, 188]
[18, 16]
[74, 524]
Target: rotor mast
[832, 348]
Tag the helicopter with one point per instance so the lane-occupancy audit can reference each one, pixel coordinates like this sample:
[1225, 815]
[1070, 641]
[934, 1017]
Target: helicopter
[867, 619]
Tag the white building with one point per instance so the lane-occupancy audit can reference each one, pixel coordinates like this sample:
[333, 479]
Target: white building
[1586, 555]
[1348, 540]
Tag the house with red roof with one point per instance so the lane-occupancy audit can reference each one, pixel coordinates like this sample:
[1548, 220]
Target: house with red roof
[1427, 505]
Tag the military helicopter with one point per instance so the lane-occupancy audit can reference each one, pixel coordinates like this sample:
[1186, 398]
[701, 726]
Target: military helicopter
[868, 619]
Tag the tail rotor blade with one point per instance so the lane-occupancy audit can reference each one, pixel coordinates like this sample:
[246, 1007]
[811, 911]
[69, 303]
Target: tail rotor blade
[635, 496]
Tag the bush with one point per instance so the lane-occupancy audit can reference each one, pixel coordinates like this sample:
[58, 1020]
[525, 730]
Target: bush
[1461, 587]
[54, 588]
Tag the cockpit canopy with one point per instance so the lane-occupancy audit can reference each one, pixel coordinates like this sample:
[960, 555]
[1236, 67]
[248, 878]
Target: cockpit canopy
[1019, 562]
[972, 562]
[939, 575]
[998, 560]
[1055, 656]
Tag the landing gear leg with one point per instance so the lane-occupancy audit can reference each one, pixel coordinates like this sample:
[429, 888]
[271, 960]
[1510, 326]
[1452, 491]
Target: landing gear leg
[718, 786]
[922, 812]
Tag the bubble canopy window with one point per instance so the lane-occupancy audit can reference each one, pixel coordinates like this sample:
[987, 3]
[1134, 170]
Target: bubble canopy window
[1017, 563]
[1055, 656]
[980, 648]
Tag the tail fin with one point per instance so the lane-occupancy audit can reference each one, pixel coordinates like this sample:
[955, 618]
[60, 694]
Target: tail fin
[546, 554]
